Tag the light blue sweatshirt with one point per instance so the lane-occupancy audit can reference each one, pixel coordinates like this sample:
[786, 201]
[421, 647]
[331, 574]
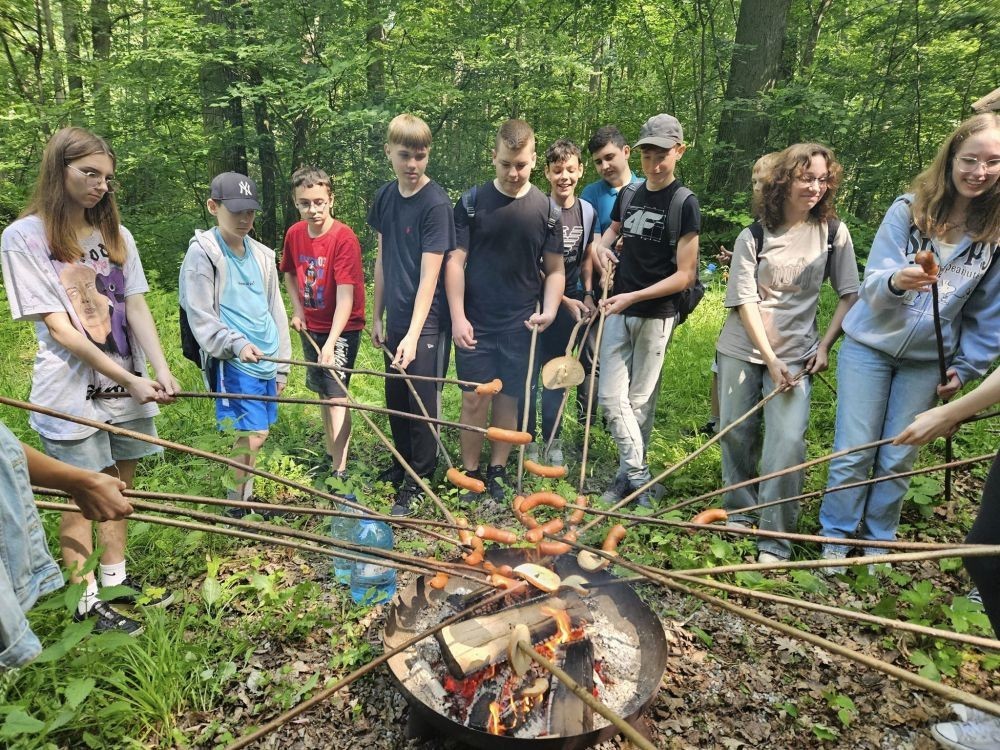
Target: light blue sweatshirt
[902, 325]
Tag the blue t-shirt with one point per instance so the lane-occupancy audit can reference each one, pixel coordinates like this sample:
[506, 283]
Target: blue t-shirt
[603, 196]
[243, 307]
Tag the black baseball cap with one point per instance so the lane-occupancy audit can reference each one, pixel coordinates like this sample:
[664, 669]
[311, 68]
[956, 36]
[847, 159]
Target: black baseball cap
[236, 191]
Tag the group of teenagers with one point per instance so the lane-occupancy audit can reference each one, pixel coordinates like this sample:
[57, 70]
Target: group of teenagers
[488, 272]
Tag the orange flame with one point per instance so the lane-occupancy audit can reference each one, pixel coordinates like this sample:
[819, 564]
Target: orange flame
[494, 725]
[561, 617]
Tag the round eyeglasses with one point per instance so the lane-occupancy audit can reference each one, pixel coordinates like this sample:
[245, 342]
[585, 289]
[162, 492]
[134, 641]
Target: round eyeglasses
[95, 180]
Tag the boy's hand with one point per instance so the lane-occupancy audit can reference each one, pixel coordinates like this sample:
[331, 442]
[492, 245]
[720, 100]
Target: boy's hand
[406, 352]
[144, 390]
[539, 320]
[724, 256]
[591, 304]
[577, 309]
[297, 323]
[617, 304]
[463, 334]
[99, 497]
[250, 353]
[606, 255]
[279, 386]
[378, 337]
[945, 392]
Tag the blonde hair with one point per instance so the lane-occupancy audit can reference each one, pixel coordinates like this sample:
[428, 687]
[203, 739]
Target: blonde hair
[769, 201]
[764, 164]
[408, 130]
[934, 188]
[515, 135]
[51, 202]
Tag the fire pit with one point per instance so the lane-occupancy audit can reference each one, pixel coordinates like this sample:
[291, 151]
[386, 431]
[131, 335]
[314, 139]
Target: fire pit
[461, 684]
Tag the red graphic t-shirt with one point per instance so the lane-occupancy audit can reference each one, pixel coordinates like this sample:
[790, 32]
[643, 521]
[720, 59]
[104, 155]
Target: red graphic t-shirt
[320, 264]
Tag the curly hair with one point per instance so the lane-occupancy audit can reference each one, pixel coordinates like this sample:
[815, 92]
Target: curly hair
[777, 183]
[934, 188]
[51, 203]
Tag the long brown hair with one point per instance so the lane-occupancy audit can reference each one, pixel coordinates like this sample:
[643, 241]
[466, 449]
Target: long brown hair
[934, 188]
[769, 201]
[51, 202]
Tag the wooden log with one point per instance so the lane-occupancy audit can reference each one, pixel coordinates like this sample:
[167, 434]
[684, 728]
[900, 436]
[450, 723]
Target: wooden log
[568, 715]
[477, 643]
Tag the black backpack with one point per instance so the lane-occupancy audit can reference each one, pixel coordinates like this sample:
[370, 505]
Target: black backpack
[189, 344]
[687, 299]
[832, 227]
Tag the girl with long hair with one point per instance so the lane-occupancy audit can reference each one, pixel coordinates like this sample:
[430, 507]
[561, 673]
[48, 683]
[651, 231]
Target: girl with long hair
[74, 271]
[888, 369]
[770, 338]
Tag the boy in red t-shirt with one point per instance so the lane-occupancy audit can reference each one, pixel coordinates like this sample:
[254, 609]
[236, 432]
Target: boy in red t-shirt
[321, 262]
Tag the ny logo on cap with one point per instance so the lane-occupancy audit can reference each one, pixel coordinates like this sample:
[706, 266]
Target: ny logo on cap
[245, 189]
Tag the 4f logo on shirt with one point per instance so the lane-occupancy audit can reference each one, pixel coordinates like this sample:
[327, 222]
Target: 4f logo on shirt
[245, 189]
[645, 223]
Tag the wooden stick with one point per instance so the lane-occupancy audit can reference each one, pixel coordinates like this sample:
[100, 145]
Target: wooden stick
[527, 401]
[587, 697]
[114, 429]
[565, 396]
[605, 286]
[376, 373]
[327, 693]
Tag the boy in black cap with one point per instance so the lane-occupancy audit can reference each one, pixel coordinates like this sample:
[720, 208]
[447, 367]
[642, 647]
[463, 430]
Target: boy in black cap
[650, 275]
[230, 293]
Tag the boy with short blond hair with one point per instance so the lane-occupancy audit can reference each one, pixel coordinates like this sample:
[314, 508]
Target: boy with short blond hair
[493, 281]
[644, 307]
[413, 218]
[321, 262]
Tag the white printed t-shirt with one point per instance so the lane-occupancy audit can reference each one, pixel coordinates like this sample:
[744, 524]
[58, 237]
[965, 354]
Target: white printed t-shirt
[92, 292]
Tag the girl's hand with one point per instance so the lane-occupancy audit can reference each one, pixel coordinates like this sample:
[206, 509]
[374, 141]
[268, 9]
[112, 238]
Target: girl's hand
[144, 390]
[170, 387]
[927, 426]
[913, 278]
[951, 387]
[99, 497]
[781, 376]
[819, 362]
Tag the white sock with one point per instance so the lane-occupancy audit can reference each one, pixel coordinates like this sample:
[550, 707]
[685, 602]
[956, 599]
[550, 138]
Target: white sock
[113, 575]
[89, 598]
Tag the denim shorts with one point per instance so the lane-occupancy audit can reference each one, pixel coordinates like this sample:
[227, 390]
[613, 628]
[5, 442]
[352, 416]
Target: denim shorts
[103, 449]
[246, 414]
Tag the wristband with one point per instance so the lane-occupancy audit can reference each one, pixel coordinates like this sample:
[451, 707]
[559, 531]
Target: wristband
[589, 293]
[893, 289]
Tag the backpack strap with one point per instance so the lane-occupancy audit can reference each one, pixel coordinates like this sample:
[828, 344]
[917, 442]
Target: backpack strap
[674, 216]
[832, 227]
[588, 211]
[469, 201]
[757, 233]
[627, 194]
[555, 215]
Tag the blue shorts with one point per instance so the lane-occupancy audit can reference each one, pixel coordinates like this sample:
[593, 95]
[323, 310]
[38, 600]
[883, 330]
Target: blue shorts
[103, 449]
[246, 414]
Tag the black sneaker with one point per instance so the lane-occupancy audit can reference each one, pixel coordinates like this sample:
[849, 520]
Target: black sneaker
[643, 500]
[110, 620]
[405, 497]
[394, 475]
[237, 513]
[706, 430]
[618, 489]
[497, 483]
[468, 497]
[138, 597]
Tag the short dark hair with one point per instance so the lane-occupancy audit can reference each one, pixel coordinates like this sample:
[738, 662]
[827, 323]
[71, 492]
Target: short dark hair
[603, 136]
[560, 151]
[309, 176]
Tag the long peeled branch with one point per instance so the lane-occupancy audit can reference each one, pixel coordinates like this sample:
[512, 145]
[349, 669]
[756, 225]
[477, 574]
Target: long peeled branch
[527, 395]
[608, 273]
[220, 459]
[261, 538]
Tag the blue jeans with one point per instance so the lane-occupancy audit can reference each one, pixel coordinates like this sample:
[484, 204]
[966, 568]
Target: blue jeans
[632, 351]
[746, 453]
[27, 570]
[877, 397]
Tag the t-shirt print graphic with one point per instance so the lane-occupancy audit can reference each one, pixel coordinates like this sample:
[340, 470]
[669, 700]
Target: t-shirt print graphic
[645, 222]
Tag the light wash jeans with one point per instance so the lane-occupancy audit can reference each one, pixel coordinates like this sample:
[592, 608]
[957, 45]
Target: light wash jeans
[747, 454]
[632, 350]
[27, 570]
[877, 396]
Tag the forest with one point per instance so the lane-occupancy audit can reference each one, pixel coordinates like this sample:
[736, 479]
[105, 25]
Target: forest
[185, 89]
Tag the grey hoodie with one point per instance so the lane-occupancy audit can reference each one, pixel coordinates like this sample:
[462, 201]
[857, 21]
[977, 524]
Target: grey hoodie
[202, 279]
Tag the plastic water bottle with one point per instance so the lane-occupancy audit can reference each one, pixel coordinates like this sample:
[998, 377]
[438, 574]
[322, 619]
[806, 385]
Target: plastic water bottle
[372, 582]
[343, 528]
[708, 273]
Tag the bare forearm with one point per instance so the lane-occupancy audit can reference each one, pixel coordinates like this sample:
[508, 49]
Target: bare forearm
[454, 283]
[292, 287]
[836, 327]
[140, 321]
[430, 270]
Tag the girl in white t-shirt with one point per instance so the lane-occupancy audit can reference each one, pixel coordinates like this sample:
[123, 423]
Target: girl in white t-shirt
[771, 334]
[71, 269]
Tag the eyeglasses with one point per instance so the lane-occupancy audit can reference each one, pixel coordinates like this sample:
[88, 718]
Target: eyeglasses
[94, 179]
[971, 164]
[319, 205]
[807, 181]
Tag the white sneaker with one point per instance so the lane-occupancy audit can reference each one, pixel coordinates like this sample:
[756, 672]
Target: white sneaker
[833, 552]
[968, 713]
[969, 735]
[556, 453]
[531, 452]
[768, 557]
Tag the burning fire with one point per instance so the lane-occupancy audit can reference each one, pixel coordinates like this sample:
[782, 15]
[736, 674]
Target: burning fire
[564, 632]
[495, 726]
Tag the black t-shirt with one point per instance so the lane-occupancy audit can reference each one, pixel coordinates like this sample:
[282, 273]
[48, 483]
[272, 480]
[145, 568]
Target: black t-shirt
[502, 276]
[645, 258]
[411, 227]
[572, 242]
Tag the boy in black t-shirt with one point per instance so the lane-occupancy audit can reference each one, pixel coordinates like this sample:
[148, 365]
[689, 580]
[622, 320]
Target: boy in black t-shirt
[642, 311]
[412, 215]
[493, 282]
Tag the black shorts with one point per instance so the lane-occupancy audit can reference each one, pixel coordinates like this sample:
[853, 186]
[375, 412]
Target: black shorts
[344, 353]
[497, 355]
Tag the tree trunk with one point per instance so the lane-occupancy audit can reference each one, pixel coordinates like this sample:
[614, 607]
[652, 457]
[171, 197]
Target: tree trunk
[809, 50]
[221, 112]
[71, 40]
[755, 69]
[267, 224]
[100, 38]
[375, 69]
[58, 85]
